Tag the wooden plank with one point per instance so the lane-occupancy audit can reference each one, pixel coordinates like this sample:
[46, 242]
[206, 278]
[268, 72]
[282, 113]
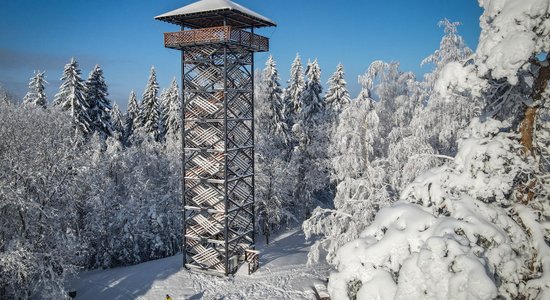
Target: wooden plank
[321, 291]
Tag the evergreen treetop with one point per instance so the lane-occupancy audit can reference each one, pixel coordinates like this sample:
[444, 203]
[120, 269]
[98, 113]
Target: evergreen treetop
[311, 99]
[99, 104]
[172, 109]
[36, 95]
[337, 95]
[296, 85]
[150, 106]
[71, 97]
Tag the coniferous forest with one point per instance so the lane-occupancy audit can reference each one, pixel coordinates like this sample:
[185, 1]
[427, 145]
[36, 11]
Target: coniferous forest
[431, 187]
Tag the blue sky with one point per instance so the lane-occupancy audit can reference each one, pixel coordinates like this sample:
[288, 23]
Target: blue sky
[124, 39]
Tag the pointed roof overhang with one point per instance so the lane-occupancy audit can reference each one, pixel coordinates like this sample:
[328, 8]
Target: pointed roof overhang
[211, 13]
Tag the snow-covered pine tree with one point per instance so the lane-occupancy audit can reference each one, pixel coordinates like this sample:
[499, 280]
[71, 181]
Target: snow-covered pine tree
[337, 95]
[36, 95]
[172, 110]
[275, 118]
[150, 105]
[292, 94]
[117, 121]
[273, 186]
[311, 100]
[7, 98]
[98, 103]
[163, 110]
[310, 155]
[132, 118]
[337, 99]
[71, 98]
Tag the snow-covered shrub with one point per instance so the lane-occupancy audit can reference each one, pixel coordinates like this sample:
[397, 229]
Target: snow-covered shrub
[456, 232]
[132, 210]
[37, 195]
[360, 189]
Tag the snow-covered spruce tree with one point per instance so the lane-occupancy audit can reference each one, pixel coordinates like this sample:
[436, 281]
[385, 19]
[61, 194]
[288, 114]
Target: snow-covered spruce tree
[293, 92]
[273, 172]
[7, 98]
[311, 101]
[172, 111]
[310, 155]
[273, 119]
[71, 98]
[163, 109]
[117, 121]
[131, 119]
[36, 95]
[150, 105]
[98, 103]
[337, 95]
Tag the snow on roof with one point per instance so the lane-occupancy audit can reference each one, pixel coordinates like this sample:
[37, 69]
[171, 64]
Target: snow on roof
[190, 14]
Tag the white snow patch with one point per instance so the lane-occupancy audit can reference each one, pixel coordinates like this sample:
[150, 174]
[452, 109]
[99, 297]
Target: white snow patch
[283, 274]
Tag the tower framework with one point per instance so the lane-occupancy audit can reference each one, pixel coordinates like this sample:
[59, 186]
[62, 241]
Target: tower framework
[218, 130]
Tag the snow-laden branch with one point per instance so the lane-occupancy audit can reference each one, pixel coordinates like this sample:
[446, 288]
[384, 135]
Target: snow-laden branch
[332, 211]
[433, 155]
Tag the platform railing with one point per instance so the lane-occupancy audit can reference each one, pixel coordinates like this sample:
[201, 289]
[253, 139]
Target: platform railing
[221, 34]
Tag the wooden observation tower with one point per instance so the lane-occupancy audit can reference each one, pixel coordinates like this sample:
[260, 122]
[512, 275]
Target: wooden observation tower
[217, 44]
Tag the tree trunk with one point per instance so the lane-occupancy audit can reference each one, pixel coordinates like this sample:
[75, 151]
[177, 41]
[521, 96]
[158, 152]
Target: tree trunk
[527, 128]
[527, 125]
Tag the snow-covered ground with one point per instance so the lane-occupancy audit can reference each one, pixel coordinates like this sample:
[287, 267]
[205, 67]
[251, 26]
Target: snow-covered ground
[283, 274]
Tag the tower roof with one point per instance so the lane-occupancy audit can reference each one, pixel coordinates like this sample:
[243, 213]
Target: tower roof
[210, 13]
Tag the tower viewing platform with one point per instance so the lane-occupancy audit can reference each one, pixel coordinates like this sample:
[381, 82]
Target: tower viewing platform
[221, 34]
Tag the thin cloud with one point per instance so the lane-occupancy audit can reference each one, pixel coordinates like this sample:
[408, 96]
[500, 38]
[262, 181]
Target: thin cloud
[11, 60]
[18, 60]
